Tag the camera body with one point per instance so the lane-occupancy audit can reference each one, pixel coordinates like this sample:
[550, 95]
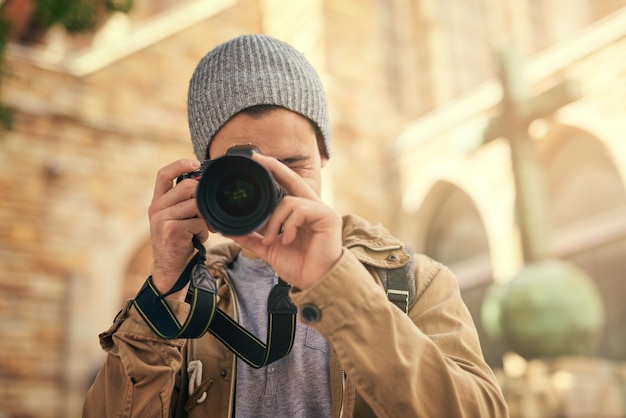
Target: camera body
[235, 195]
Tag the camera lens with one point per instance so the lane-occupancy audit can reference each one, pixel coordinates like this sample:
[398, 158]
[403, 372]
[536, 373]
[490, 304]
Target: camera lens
[236, 195]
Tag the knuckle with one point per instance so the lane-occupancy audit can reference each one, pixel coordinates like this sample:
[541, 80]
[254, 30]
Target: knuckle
[169, 229]
[152, 211]
[189, 187]
[162, 172]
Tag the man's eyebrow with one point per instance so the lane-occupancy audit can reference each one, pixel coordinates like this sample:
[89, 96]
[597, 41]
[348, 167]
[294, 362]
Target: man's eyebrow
[294, 159]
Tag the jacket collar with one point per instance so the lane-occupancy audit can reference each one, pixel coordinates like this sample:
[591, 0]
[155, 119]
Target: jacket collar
[373, 244]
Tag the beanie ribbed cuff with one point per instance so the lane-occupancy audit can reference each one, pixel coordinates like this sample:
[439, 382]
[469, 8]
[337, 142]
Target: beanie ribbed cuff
[247, 71]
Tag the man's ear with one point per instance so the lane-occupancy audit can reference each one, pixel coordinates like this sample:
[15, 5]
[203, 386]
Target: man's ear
[323, 161]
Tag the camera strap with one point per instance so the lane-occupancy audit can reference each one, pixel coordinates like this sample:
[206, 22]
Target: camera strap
[281, 330]
[205, 316]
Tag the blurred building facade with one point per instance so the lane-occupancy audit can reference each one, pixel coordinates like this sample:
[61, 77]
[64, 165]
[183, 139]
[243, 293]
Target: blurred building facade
[458, 205]
[412, 87]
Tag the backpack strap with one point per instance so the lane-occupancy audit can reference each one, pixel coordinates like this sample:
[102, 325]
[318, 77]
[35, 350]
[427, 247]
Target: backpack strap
[399, 283]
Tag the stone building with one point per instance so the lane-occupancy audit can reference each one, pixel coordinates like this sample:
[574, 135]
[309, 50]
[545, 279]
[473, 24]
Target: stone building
[457, 192]
[411, 86]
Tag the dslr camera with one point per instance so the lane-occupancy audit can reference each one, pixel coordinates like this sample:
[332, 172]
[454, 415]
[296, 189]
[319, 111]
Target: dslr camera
[236, 195]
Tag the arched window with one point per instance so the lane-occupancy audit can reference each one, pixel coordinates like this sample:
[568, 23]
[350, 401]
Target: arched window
[582, 180]
[587, 209]
[455, 231]
[456, 237]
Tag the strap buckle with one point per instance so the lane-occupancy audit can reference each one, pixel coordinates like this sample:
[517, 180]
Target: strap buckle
[400, 298]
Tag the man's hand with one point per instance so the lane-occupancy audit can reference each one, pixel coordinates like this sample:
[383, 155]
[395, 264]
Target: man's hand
[174, 221]
[302, 239]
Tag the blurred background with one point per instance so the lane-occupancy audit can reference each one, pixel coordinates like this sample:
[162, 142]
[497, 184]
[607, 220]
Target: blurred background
[488, 134]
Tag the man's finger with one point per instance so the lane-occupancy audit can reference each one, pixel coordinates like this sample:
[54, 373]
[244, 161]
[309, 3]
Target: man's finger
[167, 174]
[293, 184]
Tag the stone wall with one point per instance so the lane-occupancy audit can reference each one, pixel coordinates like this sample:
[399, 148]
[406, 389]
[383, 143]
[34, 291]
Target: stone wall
[76, 177]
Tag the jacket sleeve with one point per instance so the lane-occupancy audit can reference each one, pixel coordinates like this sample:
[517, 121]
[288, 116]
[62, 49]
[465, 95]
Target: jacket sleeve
[137, 378]
[426, 364]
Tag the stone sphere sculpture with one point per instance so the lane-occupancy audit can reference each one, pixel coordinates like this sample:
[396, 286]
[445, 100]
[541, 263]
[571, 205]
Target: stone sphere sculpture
[550, 308]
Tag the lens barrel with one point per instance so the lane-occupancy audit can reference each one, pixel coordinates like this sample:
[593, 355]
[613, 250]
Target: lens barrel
[236, 195]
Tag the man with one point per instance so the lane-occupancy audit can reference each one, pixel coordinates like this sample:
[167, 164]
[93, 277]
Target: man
[354, 353]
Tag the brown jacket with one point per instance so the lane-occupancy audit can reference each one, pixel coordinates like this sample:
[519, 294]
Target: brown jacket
[426, 364]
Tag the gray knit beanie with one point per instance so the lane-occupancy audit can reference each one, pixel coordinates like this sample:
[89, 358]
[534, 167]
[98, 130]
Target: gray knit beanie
[247, 71]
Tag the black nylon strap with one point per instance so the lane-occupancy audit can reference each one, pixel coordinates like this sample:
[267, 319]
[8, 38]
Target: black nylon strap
[281, 330]
[205, 316]
[153, 308]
